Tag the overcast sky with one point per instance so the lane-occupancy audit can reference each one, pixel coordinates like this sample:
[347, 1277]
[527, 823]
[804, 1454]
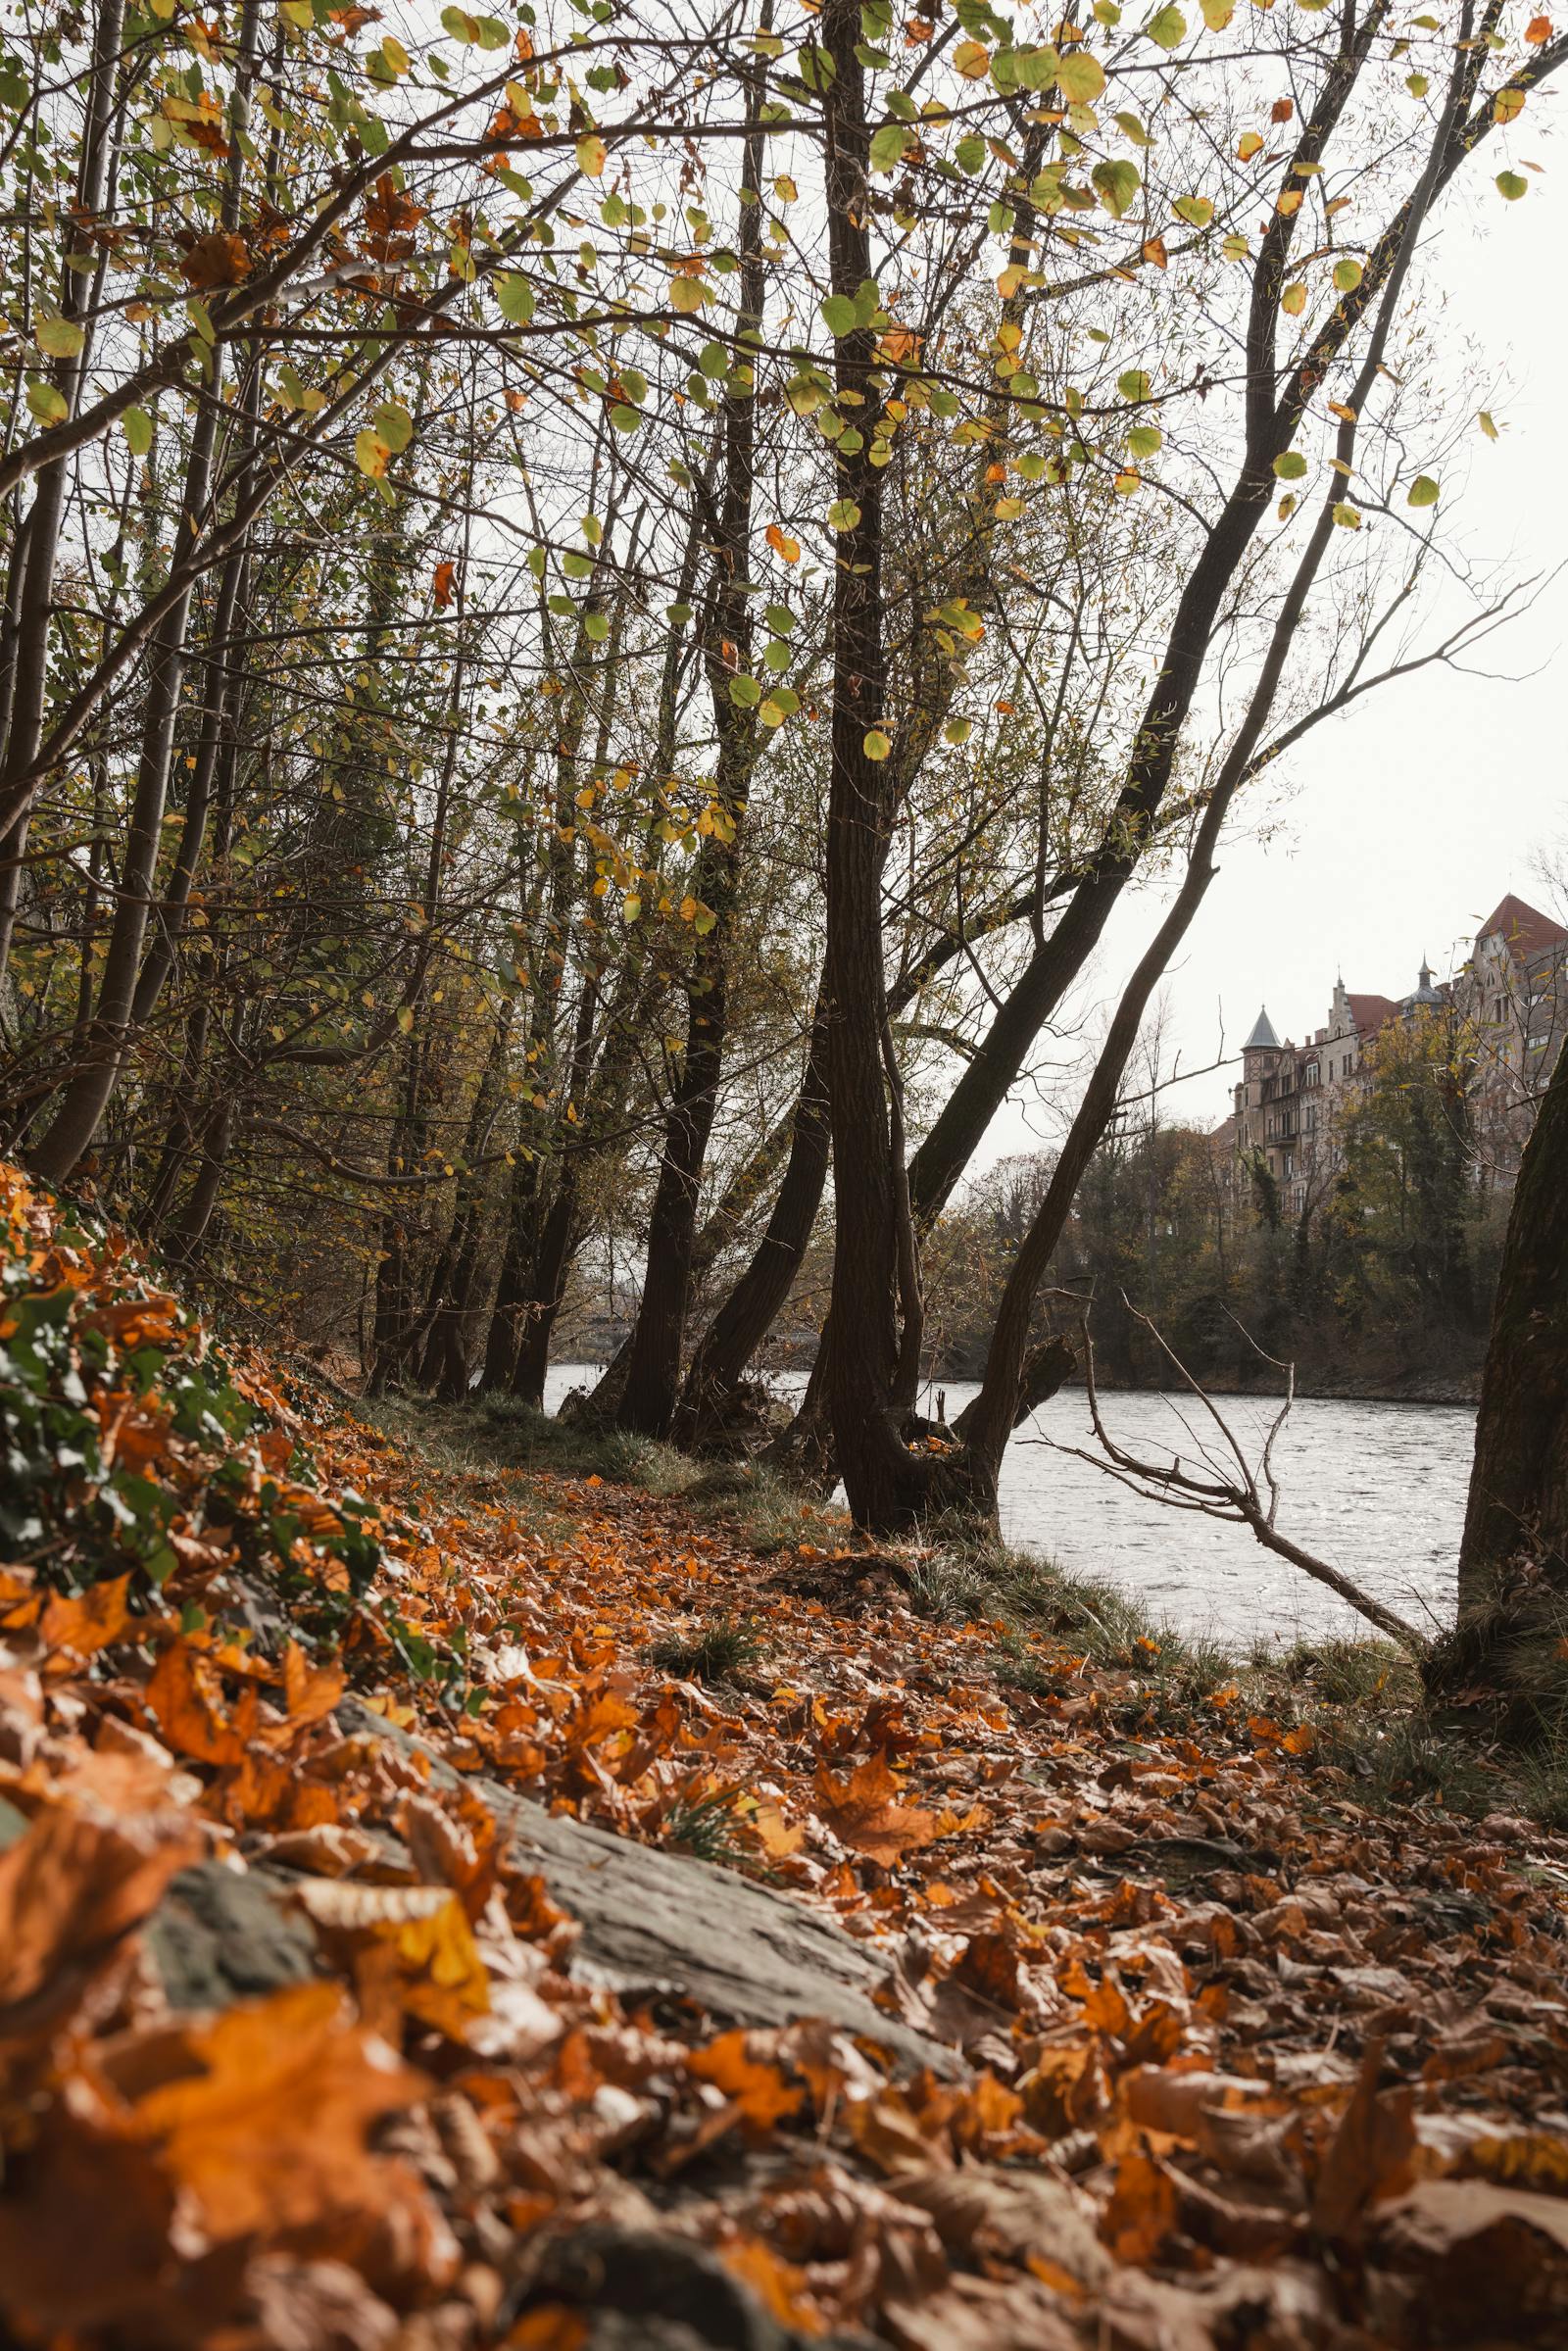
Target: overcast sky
[1402, 824]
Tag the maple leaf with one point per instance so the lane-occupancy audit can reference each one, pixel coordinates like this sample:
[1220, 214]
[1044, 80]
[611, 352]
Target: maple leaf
[757, 2084]
[265, 2125]
[863, 1811]
[218, 259]
[89, 1621]
[309, 1692]
[185, 1698]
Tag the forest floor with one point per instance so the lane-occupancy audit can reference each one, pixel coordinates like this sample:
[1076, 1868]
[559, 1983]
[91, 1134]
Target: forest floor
[1207, 2008]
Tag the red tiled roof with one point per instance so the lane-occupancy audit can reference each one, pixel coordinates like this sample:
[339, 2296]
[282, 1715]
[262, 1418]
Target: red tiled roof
[1369, 1012]
[1525, 928]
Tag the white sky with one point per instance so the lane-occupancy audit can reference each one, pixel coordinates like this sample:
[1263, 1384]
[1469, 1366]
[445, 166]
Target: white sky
[1403, 822]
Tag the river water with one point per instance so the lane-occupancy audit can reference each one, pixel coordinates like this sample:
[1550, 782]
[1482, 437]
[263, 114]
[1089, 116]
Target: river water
[1377, 1490]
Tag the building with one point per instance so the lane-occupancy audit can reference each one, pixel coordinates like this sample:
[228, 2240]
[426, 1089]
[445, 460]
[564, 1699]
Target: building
[1289, 1105]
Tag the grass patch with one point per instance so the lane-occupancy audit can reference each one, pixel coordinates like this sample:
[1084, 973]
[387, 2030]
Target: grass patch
[705, 1830]
[758, 1508]
[724, 1649]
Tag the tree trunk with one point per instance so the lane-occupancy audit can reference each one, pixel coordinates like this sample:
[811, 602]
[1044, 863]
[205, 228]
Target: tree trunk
[31, 586]
[652, 1386]
[749, 1312]
[1516, 1523]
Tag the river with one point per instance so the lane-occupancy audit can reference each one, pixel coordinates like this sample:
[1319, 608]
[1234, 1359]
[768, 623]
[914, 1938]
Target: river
[1377, 1490]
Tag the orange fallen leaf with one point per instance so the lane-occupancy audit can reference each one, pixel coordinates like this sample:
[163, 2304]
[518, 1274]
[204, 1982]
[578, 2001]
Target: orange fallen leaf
[757, 2084]
[186, 1699]
[269, 2129]
[72, 1887]
[863, 1811]
[87, 1622]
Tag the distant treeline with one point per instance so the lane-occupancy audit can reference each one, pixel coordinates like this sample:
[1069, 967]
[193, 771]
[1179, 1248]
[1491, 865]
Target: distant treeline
[1383, 1285]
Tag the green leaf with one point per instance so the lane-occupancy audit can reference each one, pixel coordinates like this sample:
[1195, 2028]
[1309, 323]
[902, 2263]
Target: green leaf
[843, 514]
[876, 745]
[596, 627]
[1290, 465]
[1080, 77]
[838, 315]
[1117, 185]
[957, 730]
[1036, 68]
[1513, 185]
[970, 154]
[1347, 516]
[60, 338]
[395, 425]
[1167, 30]
[1133, 384]
[138, 427]
[46, 401]
[515, 297]
[1423, 490]
[1143, 440]
[888, 145]
[624, 418]
[1196, 211]
[1347, 274]
[745, 692]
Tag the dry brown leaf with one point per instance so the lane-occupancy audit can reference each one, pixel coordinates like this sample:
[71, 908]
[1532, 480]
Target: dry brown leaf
[736, 2064]
[863, 1811]
[269, 2131]
[186, 1699]
[70, 1888]
[89, 1621]
[1369, 2154]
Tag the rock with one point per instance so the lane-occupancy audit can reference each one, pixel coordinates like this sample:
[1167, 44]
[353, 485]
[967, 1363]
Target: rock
[652, 2292]
[221, 1935]
[656, 1922]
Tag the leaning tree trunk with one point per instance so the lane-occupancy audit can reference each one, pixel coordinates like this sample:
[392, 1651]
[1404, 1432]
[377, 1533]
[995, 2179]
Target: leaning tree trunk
[652, 1386]
[1513, 1558]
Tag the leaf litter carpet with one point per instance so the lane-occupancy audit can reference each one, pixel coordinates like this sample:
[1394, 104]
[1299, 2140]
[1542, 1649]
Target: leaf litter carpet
[1229, 2057]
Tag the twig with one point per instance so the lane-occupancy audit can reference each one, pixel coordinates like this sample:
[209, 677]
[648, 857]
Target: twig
[1239, 1497]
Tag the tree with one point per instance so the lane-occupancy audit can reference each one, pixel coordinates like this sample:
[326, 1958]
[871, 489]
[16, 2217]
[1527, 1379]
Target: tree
[1513, 1558]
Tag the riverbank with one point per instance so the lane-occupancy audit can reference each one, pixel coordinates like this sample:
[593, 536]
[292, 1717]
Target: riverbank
[470, 1885]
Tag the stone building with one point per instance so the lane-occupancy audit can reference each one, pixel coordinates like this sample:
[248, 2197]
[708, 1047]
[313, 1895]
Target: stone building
[1512, 998]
